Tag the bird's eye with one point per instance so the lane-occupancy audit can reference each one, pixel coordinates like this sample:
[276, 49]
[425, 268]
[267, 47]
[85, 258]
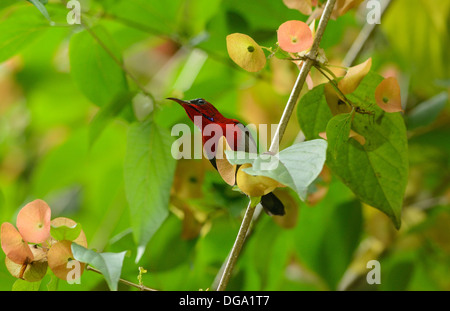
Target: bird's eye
[200, 101]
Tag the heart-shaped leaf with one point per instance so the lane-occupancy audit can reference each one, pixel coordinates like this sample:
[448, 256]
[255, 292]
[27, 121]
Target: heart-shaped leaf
[296, 166]
[374, 168]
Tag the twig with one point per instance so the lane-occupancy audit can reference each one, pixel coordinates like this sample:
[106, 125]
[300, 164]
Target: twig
[335, 86]
[311, 58]
[240, 239]
[361, 40]
[141, 287]
[256, 213]
[117, 61]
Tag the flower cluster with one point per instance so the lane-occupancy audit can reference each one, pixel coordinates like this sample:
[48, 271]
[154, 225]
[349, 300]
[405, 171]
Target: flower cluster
[39, 243]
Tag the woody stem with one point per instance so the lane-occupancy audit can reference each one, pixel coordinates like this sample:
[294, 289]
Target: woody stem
[288, 110]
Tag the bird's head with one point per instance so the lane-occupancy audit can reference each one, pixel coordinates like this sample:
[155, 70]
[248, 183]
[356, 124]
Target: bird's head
[202, 108]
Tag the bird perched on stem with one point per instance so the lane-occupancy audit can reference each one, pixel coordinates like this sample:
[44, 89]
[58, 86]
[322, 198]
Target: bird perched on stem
[210, 122]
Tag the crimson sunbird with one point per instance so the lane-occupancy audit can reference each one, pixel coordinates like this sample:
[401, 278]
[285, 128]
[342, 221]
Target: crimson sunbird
[202, 114]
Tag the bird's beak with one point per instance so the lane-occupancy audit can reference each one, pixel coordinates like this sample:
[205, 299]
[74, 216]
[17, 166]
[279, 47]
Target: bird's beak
[181, 102]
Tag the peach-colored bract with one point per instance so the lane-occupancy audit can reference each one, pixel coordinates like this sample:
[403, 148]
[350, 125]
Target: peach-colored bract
[15, 248]
[294, 36]
[387, 95]
[33, 221]
[58, 256]
[354, 76]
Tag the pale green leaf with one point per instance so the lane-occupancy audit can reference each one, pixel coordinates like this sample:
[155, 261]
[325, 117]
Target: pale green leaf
[296, 166]
[41, 7]
[109, 264]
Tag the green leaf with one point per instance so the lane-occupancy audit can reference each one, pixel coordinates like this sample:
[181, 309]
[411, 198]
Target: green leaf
[296, 166]
[94, 68]
[149, 168]
[328, 235]
[313, 112]
[376, 172]
[65, 232]
[240, 157]
[39, 4]
[338, 130]
[155, 16]
[109, 264]
[399, 272]
[20, 29]
[106, 113]
[168, 249]
[425, 113]
[22, 285]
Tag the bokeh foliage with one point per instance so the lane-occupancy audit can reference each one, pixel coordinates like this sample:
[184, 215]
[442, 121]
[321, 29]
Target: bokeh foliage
[69, 134]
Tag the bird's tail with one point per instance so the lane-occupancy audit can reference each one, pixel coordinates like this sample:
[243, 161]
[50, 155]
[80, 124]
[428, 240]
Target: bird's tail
[272, 205]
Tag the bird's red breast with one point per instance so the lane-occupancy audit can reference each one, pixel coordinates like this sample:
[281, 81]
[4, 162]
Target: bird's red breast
[213, 125]
[209, 120]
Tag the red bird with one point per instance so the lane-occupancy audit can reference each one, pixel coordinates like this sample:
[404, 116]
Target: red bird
[202, 114]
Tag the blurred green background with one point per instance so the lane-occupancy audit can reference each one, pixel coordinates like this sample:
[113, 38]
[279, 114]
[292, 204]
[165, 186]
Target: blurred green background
[59, 143]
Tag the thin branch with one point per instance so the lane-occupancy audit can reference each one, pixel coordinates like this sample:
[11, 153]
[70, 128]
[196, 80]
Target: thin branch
[306, 67]
[335, 86]
[117, 61]
[141, 287]
[236, 250]
[240, 239]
